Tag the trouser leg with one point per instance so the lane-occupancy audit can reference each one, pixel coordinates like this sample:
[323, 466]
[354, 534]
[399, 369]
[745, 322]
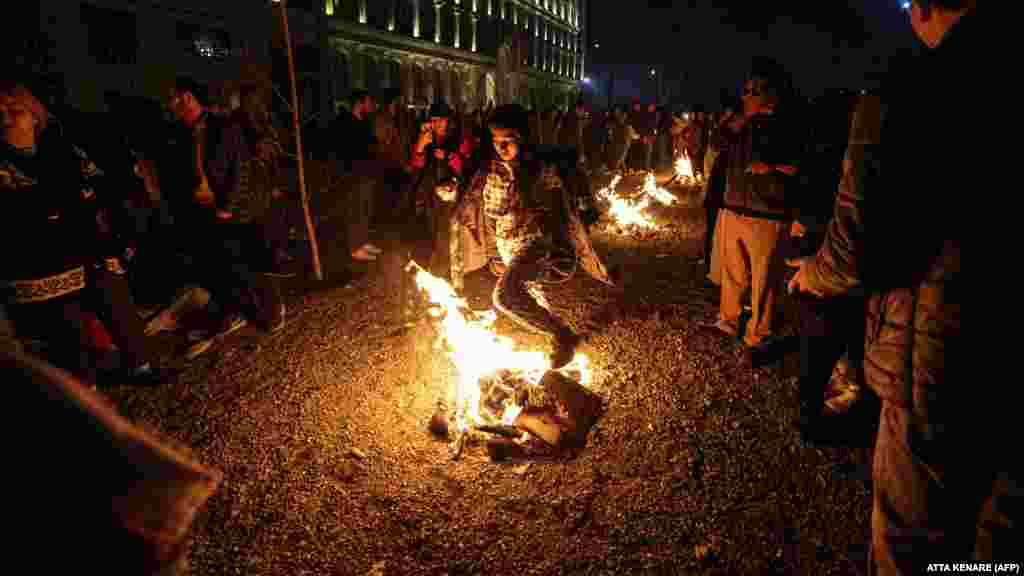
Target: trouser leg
[763, 239]
[257, 295]
[360, 212]
[735, 268]
[709, 234]
[513, 297]
[822, 343]
[117, 308]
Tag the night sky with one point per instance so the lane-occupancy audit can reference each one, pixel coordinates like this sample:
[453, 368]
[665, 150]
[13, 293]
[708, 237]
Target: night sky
[704, 46]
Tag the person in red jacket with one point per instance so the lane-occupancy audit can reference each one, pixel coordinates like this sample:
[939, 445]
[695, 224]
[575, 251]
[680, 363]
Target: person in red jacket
[438, 162]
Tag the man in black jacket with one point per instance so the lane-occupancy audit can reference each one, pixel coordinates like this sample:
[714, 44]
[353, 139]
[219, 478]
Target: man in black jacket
[761, 161]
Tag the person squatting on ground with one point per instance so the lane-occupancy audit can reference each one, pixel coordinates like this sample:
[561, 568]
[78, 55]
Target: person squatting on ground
[525, 202]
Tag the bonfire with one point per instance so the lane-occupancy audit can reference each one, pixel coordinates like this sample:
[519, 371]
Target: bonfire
[493, 374]
[627, 212]
[684, 170]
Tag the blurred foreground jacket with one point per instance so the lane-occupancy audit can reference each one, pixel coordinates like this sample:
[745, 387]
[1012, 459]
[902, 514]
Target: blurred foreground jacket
[96, 494]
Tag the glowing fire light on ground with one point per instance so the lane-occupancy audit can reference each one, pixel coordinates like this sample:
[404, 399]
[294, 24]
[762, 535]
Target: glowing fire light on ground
[684, 170]
[652, 190]
[477, 352]
[627, 212]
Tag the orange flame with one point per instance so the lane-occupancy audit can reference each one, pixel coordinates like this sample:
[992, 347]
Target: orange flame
[684, 169]
[626, 211]
[478, 352]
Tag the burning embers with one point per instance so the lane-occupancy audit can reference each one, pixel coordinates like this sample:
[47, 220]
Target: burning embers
[635, 211]
[684, 171]
[494, 380]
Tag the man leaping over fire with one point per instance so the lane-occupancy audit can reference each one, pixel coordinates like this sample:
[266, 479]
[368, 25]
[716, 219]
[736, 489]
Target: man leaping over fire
[526, 205]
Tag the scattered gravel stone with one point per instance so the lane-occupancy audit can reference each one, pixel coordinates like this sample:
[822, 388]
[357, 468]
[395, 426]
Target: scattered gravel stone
[688, 450]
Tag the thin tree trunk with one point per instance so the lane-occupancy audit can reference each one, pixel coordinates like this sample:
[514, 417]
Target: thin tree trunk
[310, 230]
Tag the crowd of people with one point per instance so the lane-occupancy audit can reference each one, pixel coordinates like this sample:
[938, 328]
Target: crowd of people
[202, 210]
[856, 195]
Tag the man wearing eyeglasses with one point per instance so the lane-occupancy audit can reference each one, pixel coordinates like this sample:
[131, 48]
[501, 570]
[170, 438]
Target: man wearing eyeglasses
[761, 159]
[945, 480]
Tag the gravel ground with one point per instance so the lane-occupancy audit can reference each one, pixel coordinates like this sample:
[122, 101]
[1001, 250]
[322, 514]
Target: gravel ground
[694, 468]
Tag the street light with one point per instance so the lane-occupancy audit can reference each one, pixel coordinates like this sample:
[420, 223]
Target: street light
[652, 72]
[586, 80]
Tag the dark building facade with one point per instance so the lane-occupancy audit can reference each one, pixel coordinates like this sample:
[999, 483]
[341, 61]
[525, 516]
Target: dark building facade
[93, 51]
[468, 52]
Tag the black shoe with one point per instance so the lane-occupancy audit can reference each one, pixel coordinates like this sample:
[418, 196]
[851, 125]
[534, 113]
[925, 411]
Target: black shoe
[819, 428]
[772, 351]
[564, 350]
[145, 375]
[814, 426]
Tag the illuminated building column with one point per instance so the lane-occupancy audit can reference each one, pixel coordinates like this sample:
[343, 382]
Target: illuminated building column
[535, 53]
[391, 15]
[438, 4]
[476, 20]
[415, 18]
[362, 11]
[457, 17]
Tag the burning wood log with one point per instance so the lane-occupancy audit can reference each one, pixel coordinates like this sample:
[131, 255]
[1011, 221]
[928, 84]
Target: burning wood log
[501, 449]
[543, 424]
[500, 430]
[579, 408]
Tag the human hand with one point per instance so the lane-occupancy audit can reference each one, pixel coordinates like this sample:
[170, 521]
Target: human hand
[786, 169]
[799, 282]
[224, 215]
[439, 153]
[426, 136]
[446, 192]
[797, 230]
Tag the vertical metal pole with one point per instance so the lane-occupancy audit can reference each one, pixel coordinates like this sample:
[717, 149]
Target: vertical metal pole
[310, 230]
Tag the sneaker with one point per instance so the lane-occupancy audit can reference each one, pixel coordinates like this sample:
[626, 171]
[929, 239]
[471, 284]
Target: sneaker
[231, 325]
[280, 274]
[722, 326]
[145, 375]
[199, 348]
[205, 341]
[162, 322]
[363, 255]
